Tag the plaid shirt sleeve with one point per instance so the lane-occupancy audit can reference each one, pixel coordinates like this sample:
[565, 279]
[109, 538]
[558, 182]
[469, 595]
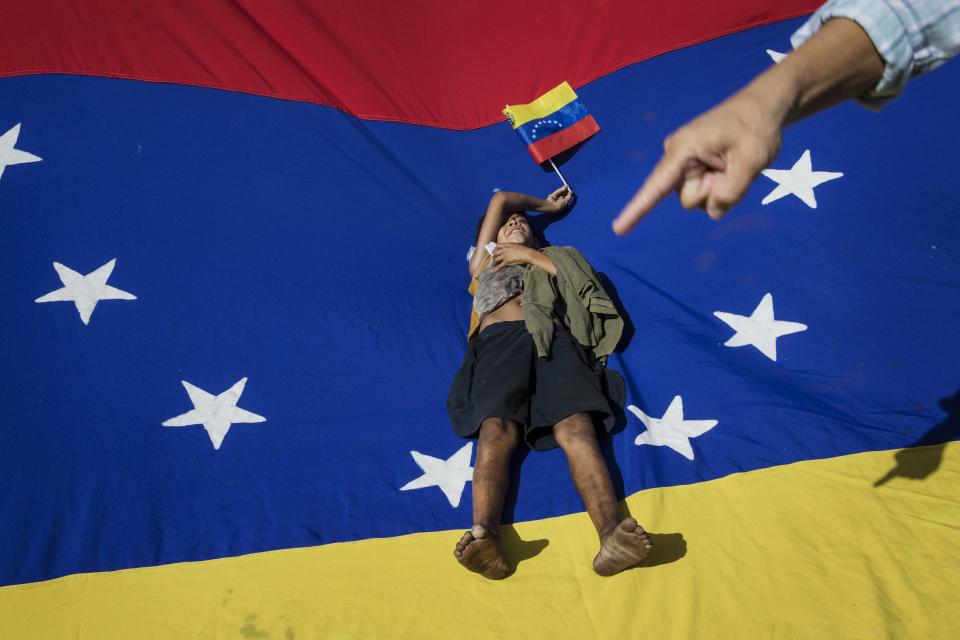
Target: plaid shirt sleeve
[912, 37]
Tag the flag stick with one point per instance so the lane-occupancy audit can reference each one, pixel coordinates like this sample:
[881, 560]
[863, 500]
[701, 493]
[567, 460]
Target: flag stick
[562, 179]
[550, 160]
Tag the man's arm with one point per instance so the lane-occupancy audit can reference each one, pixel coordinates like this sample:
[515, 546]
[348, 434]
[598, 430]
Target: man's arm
[505, 203]
[712, 160]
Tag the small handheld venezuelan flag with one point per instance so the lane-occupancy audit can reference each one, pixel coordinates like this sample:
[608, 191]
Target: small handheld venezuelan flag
[553, 123]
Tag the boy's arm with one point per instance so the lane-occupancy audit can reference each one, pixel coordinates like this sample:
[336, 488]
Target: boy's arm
[504, 203]
[509, 254]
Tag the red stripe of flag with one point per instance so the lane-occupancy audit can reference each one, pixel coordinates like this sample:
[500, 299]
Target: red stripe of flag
[305, 51]
[543, 150]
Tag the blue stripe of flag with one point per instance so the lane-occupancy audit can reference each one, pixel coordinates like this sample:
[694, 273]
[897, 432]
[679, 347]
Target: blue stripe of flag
[537, 130]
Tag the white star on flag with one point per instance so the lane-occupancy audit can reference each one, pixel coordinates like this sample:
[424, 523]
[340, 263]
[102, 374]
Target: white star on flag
[776, 56]
[671, 430]
[85, 291]
[799, 180]
[759, 328]
[451, 475]
[215, 413]
[9, 155]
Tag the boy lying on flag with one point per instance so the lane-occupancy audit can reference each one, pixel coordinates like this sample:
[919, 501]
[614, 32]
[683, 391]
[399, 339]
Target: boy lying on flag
[541, 327]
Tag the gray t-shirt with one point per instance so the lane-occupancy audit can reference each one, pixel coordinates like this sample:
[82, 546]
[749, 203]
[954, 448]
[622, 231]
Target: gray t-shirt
[494, 288]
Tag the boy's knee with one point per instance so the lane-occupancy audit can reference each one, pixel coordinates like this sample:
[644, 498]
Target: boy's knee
[498, 431]
[576, 430]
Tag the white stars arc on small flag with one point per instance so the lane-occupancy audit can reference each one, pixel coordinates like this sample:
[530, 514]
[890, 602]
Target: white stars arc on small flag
[543, 123]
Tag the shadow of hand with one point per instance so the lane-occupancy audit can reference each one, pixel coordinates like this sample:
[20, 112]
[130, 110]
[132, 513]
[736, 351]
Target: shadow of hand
[915, 464]
[923, 457]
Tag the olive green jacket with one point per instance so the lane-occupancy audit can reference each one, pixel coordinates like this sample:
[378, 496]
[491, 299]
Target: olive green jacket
[574, 295]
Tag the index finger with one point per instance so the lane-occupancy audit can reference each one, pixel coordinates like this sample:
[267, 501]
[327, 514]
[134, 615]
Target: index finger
[664, 178]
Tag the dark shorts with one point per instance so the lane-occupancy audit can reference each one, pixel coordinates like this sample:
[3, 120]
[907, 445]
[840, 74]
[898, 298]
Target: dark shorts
[502, 377]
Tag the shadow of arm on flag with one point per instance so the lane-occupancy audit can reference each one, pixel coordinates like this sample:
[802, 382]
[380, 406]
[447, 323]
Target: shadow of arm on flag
[923, 457]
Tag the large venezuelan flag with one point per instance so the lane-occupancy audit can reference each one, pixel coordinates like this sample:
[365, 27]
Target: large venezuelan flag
[234, 295]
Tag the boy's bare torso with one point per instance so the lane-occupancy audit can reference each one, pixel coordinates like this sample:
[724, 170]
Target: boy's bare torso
[512, 309]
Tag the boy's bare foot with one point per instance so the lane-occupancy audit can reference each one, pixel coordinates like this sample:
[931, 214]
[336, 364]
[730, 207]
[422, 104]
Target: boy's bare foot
[478, 550]
[624, 547]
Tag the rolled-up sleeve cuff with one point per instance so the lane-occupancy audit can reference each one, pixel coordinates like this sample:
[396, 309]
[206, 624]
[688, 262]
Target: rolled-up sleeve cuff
[885, 27]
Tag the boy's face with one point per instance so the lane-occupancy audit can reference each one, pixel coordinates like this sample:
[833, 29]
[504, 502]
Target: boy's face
[516, 229]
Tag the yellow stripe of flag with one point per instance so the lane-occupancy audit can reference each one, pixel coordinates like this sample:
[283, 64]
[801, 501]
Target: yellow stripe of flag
[543, 106]
[814, 549]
